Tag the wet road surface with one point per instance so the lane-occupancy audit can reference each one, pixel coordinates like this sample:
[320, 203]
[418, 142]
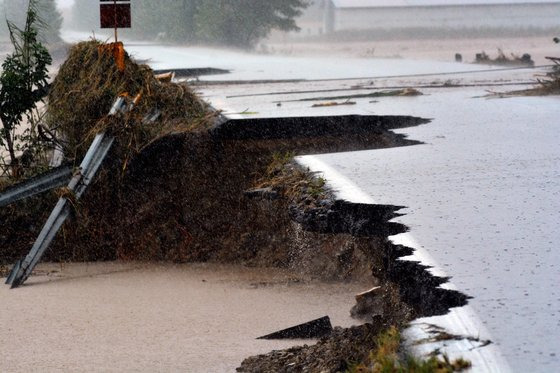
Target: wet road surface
[483, 198]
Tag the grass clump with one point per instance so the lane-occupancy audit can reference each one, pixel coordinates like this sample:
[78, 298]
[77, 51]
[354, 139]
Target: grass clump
[88, 83]
[386, 358]
[278, 162]
[293, 182]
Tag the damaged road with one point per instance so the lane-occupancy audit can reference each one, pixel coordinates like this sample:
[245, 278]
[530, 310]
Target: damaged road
[480, 209]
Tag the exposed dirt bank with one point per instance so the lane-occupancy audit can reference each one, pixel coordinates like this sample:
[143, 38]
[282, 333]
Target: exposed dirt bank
[182, 197]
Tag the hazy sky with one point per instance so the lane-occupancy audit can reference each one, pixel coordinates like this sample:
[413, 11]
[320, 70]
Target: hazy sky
[67, 3]
[64, 3]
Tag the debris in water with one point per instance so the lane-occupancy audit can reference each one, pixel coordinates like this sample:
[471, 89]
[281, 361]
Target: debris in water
[502, 59]
[244, 112]
[549, 85]
[334, 103]
[312, 329]
[194, 72]
[165, 77]
[368, 304]
[390, 93]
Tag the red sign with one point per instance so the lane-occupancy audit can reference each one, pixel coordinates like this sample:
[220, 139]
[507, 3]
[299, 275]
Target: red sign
[115, 15]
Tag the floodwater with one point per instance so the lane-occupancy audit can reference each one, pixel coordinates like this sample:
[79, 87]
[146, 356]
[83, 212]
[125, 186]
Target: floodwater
[157, 318]
[254, 66]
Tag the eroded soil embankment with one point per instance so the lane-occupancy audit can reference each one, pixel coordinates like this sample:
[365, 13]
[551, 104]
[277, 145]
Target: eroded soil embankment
[349, 239]
[182, 198]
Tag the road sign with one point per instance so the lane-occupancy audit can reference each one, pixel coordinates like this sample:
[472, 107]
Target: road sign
[115, 14]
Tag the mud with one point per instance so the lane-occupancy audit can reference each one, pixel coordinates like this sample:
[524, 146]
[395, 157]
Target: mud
[150, 317]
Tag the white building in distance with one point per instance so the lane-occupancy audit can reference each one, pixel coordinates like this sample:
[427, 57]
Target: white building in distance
[339, 16]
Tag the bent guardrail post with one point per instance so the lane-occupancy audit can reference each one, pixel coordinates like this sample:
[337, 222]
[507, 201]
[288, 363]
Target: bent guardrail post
[91, 163]
[52, 179]
[78, 184]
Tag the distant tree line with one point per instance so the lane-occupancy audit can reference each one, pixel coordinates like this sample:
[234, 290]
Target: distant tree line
[49, 18]
[239, 23]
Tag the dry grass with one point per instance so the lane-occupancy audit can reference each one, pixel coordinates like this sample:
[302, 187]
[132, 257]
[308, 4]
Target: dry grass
[552, 82]
[89, 82]
[293, 182]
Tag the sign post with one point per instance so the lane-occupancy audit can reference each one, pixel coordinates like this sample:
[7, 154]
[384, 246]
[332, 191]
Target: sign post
[115, 14]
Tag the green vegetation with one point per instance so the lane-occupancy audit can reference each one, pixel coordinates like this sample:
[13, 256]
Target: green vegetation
[23, 83]
[279, 161]
[386, 359]
[243, 22]
[237, 23]
[316, 187]
[298, 185]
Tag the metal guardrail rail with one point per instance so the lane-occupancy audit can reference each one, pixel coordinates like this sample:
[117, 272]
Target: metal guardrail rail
[51, 179]
[77, 186]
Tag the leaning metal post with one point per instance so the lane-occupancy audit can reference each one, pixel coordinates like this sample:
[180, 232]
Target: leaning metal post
[78, 184]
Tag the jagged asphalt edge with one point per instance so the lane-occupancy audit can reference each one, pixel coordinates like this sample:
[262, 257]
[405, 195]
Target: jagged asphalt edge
[472, 342]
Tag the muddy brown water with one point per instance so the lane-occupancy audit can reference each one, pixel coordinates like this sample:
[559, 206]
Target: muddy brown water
[155, 317]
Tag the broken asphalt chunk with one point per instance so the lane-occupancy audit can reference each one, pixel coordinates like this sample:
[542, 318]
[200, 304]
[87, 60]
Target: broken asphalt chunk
[312, 329]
